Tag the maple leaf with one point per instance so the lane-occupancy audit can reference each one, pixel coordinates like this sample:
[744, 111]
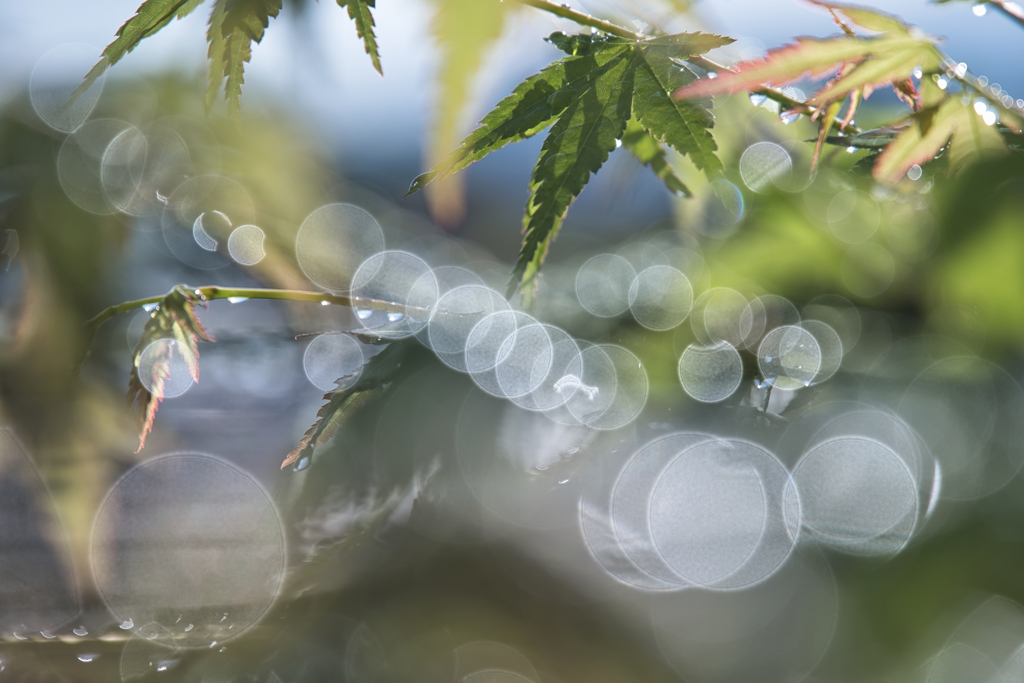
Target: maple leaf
[880, 59]
[587, 99]
[950, 121]
[343, 404]
[234, 26]
[174, 320]
[359, 12]
[150, 17]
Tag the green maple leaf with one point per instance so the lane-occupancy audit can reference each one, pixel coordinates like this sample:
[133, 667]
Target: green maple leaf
[651, 153]
[684, 125]
[532, 107]
[342, 404]
[174, 319]
[150, 17]
[234, 26]
[359, 12]
[576, 147]
[587, 99]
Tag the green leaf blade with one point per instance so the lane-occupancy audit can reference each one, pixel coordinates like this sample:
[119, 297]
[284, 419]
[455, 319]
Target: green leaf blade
[359, 12]
[576, 147]
[149, 18]
[531, 108]
[242, 23]
[685, 125]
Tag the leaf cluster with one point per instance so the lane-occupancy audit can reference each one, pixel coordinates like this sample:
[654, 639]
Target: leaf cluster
[607, 91]
[234, 25]
[173, 319]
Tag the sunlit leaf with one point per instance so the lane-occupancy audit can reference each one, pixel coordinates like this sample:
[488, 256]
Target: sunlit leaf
[685, 125]
[173, 319]
[951, 122]
[359, 11]
[530, 108]
[241, 23]
[652, 154]
[150, 17]
[881, 59]
[866, 17]
[576, 147]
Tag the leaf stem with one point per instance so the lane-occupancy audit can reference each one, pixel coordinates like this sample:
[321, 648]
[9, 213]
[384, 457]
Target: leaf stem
[708, 65]
[214, 292]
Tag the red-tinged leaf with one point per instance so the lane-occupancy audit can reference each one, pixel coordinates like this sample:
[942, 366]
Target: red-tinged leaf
[879, 69]
[173, 320]
[865, 17]
[907, 93]
[814, 57]
[855, 99]
[825, 125]
[950, 122]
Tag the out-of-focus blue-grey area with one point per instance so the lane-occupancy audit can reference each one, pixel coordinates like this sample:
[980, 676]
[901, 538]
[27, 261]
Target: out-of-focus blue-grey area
[774, 432]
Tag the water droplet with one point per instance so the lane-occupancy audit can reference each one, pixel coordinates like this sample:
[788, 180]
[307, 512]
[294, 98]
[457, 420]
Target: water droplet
[302, 464]
[150, 308]
[768, 359]
[46, 634]
[851, 149]
[914, 173]
[189, 628]
[19, 636]
[918, 73]
[618, 143]
[788, 117]
[223, 649]
[224, 618]
[80, 631]
[757, 99]
[395, 317]
[166, 664]
[979, 10]
[989, 118]
[982, 81]
[237, 299]
[712, 75]
[564, 481]
[960, 70]
[127, 624]
[88, 657]
[942, 83]
[213, 644]
[363, 313]
[325, 303]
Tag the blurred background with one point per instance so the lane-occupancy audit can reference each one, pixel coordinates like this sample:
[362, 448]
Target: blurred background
[729, 515]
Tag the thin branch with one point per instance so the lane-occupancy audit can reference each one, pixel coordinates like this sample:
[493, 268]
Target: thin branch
[708, 65]
[214, 292]
[971, 81]
[1010, 9]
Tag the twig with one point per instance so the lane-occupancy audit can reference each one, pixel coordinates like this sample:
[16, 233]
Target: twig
[214, 292]
[1010, 9]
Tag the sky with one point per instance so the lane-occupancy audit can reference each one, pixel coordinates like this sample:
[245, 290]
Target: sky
[314, 64]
